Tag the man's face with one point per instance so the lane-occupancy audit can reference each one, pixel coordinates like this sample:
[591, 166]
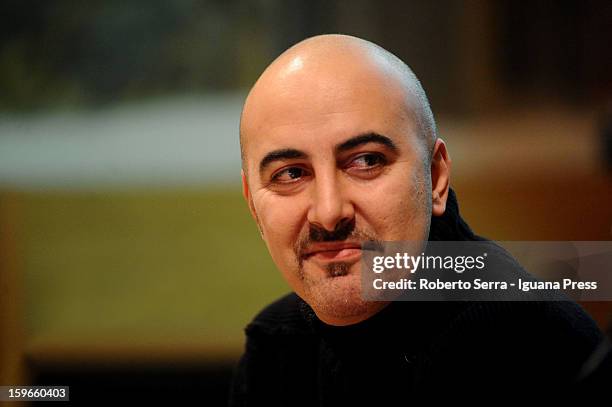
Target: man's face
[331, 163]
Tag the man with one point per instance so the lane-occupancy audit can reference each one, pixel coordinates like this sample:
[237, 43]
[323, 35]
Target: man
[339, 147]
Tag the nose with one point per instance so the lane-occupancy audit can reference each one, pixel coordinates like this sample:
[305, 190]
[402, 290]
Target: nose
[330, 203]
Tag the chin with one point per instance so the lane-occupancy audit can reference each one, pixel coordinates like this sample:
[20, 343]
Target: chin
[337, 300]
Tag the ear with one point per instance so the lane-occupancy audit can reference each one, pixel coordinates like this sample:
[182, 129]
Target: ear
[247, 196]
[246, 193]
[440, 178]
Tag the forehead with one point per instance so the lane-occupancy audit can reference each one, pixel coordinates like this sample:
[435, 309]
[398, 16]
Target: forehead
[320, 108]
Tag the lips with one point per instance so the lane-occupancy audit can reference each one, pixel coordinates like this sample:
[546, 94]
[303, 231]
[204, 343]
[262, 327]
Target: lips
[333, 251]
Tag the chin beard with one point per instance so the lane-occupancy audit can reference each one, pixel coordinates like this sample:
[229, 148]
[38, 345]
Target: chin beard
[337, 269]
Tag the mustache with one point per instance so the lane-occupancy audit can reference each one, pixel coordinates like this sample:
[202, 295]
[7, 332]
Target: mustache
[343, 231]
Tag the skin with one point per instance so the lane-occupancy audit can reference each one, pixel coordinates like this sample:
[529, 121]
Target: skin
[333, 156]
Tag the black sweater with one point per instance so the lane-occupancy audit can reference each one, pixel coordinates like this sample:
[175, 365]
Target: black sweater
[415, 350]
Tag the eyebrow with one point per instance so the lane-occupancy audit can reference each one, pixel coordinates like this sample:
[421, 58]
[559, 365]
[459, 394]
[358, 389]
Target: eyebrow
[353, 142]
[365, 139]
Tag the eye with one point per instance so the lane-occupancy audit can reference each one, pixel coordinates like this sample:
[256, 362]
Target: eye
[368, 161]
[289, 175]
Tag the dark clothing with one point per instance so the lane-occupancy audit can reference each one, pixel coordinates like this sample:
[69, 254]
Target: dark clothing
[414, 349]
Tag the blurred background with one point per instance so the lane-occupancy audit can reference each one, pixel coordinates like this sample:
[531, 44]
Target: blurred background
[129, 264]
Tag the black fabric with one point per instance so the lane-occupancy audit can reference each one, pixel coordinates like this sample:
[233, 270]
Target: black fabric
[413, 350]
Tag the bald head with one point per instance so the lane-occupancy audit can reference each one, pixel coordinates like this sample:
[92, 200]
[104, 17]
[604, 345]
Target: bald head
[327, 63]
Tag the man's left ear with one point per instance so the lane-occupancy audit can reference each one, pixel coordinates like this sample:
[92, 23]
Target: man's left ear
[246, 193]
[440, 177]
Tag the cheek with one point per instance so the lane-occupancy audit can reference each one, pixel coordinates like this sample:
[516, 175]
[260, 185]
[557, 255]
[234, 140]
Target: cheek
[397, 208]
[281, 219]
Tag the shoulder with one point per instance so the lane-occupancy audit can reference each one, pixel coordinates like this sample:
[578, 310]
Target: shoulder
[559, 319]
[285, 316]
[552, 338]
[542, 344]
[280, 353]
